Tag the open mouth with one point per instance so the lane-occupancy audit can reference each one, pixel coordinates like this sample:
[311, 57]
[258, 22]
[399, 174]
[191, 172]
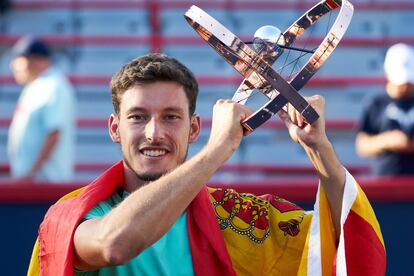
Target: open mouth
[154, 152]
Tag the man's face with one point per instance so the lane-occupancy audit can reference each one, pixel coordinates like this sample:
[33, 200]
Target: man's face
[23, 69]
[154, 128]
[400, 91]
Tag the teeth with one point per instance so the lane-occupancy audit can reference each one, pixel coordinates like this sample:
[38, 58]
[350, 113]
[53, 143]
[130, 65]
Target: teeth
[154, 153]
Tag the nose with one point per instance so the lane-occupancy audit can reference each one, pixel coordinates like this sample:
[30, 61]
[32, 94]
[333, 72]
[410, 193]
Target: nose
[154, 131]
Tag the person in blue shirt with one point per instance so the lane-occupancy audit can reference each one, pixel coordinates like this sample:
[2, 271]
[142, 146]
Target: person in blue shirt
[386, 128]
[41, 139]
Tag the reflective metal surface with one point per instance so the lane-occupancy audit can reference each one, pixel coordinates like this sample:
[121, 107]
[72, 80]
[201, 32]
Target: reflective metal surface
[255, 66]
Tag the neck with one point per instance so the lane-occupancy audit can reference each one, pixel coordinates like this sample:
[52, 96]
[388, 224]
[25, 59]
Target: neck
[39, 71]
[132, 182]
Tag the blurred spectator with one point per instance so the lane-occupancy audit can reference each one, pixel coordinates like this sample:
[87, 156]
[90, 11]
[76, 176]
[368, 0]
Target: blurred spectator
[386, 128]
[42, 133]
[5, 5]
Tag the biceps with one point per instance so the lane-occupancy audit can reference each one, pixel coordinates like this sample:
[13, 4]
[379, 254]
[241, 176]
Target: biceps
[88, 247]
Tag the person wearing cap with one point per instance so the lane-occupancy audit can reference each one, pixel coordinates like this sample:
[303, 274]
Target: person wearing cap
[41, 136]
[386, 128]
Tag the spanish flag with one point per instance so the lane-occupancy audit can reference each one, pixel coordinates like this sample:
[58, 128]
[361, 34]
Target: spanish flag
[361, 249]
[237, 234]
[53, 251]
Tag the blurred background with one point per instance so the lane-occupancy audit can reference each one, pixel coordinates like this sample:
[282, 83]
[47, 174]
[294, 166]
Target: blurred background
[92, 39]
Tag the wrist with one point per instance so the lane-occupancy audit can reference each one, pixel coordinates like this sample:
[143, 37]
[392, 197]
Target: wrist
[320, 144]
[320, 149]
[222, 149]
[384, 141]
[325, 161]
[217, 153]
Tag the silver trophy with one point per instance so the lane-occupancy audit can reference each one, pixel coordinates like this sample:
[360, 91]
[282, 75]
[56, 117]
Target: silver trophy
[269, 43]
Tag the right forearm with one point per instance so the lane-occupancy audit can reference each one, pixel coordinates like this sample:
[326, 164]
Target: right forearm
[148, 213]
[370, 145]
[392, 140]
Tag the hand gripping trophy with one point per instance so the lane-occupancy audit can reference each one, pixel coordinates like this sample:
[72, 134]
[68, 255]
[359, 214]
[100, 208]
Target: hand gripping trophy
[269, 43]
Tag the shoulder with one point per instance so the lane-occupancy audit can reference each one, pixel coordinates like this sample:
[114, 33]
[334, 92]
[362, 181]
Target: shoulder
[103, 207]
[71, 194]
[56, 81]
[376, 100]
[374, 106]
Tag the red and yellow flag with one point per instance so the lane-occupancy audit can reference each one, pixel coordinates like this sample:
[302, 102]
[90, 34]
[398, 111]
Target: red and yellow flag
[238, 234]
[361, 249]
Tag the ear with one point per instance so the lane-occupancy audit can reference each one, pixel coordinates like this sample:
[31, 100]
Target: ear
[195, 128]
[113, 126]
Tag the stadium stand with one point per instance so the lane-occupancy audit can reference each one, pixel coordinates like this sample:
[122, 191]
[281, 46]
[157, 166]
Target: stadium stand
[92, 39]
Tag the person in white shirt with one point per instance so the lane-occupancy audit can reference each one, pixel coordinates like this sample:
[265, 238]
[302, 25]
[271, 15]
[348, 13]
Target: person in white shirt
[41, 139]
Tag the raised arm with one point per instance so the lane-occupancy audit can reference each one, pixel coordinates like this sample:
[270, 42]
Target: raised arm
[321, 153]
[134, 224]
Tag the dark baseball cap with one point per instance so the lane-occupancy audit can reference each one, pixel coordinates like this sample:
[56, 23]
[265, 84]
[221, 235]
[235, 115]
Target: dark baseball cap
[30, 46]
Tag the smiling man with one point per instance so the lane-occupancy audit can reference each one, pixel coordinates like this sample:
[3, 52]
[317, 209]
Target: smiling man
[154, 127]
[151, 213]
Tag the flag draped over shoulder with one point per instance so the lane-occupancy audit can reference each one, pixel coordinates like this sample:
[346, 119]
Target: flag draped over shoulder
[53, 252]
[361, 249]
[237, 234]
[267, 235]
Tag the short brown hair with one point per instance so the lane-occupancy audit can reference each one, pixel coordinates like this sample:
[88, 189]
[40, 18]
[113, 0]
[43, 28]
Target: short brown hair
[152, 68]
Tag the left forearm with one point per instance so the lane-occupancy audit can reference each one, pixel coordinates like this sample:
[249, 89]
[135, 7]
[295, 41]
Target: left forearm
[332, 177]
[312, 137]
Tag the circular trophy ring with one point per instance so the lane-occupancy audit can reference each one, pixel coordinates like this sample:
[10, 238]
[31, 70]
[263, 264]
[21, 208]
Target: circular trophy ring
[256, 68]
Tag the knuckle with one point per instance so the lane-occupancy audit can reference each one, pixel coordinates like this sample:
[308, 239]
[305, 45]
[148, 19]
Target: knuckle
[319, 98]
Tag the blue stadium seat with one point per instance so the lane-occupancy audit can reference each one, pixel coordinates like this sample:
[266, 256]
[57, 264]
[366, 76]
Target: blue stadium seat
[42, 21]
[105, 59]
[112, 22]
[354, 61]
[201, 59]
[91, 141]
[247, 22]
[94, 101]
[8, 98]
[3, 143]
[89, 58]
[173, 22]
[343, 102]
[380, 23]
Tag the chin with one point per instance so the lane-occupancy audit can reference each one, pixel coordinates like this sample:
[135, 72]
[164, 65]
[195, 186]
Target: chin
[149, 177]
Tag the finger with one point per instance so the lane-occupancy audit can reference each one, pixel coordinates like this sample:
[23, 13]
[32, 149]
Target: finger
[284, 116]
[246, 110]
[220, 101]
[301, 120]
[292, 114]
[296, 117]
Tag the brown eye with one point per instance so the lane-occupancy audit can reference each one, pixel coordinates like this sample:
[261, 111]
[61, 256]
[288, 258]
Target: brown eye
[171, 117]
[136, 117]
